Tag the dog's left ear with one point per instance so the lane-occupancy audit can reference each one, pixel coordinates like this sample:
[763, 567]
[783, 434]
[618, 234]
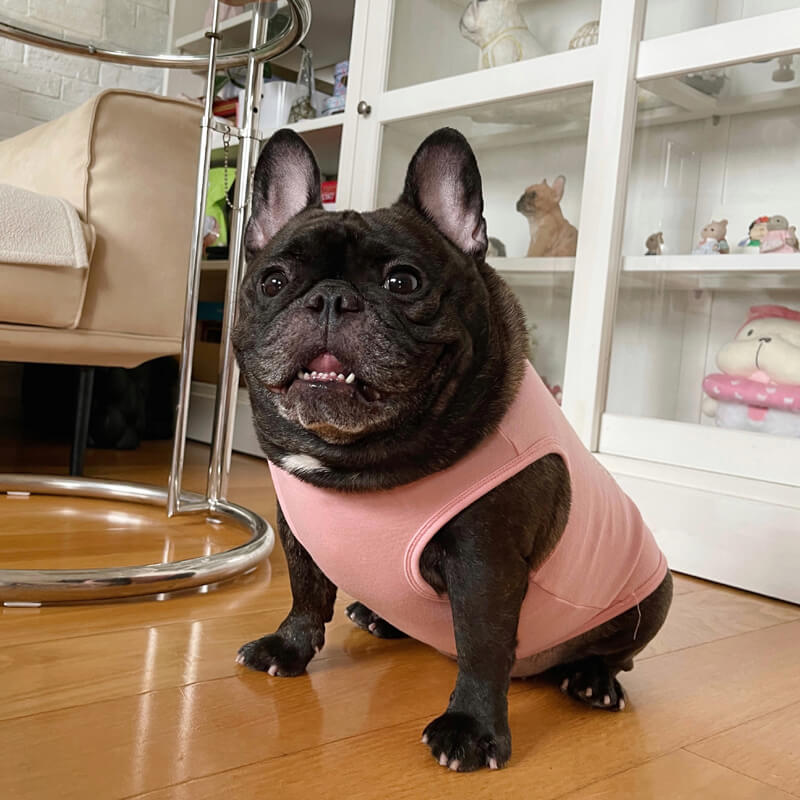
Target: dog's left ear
[443, 183]
[286, 182]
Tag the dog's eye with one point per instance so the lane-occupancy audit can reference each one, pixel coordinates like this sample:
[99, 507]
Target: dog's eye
[273, 282]
[401, 281]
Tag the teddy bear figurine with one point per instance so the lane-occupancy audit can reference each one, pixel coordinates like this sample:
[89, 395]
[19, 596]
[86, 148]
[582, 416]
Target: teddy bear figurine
[712, 239]
[654, 243]
[759, 386]
[779, 237]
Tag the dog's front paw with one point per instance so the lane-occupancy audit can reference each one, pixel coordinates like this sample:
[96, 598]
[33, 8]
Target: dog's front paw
[463, 743]
[275, 655]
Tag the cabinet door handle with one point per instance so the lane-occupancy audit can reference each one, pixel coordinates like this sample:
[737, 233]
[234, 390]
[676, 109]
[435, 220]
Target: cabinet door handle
[364, 108]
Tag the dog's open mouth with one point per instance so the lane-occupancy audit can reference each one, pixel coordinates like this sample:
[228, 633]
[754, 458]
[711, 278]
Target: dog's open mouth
[326, 371]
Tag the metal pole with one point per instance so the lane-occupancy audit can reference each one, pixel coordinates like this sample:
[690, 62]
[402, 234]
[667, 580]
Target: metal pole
[228, 382]
[174, 503]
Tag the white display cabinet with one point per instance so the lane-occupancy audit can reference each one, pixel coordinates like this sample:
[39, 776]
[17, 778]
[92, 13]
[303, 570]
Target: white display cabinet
[684, 111]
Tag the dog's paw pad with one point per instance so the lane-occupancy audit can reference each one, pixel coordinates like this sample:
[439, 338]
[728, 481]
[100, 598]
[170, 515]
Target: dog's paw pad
[369, 621]
[591, 682]
[462, 743]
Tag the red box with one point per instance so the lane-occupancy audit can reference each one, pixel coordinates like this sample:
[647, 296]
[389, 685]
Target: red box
[328, 189]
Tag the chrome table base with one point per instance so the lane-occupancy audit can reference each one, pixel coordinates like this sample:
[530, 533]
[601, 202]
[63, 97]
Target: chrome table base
[38, 586]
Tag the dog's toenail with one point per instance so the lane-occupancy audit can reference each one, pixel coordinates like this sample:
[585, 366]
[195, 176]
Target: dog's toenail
[589, 692]
[455, 764]
[493, 763]
[273, 670]
[606, 700]
[424, 738]
[443, 759]
[372, 626]
[565, 684]
[621, 704]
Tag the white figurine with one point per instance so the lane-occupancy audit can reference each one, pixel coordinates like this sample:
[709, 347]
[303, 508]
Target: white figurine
[498, 28]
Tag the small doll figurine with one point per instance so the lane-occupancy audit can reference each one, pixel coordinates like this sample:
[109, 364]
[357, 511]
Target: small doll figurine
[653, 244]
[755, 233]
[779, 236]
[712, 239]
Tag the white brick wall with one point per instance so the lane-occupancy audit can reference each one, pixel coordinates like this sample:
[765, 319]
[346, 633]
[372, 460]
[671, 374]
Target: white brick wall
[38, 85]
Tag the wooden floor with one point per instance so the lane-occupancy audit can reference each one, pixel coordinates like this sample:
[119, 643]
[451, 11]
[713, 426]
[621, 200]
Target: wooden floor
[143, 699]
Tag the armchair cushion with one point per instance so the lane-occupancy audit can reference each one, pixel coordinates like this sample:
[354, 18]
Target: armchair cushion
[44, 259]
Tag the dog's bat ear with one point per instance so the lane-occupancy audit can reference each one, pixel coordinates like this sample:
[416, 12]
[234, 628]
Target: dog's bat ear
[444, 185]
[286, 182]
[558, 186]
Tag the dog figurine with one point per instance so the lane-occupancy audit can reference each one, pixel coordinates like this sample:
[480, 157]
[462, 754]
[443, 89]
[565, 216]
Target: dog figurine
[551, 233]
[499, 30]
[419, 462]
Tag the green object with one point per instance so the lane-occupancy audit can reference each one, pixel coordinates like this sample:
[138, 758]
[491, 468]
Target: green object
[215, 202]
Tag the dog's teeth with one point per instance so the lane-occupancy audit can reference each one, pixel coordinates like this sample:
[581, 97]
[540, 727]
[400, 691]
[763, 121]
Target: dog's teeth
[300, 374]
[332, 375]
[340, 377]
[314, 375]
[350, 378]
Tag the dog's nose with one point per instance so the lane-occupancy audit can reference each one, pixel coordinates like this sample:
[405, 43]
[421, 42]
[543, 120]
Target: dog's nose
[765, 339]
[334, 300]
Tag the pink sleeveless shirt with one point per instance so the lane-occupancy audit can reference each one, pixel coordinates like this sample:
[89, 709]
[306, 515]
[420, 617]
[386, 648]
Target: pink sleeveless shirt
[369, 543]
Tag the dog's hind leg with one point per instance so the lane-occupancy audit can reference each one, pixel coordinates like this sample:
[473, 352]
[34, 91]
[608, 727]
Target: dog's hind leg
[587, 666]
[369, 621]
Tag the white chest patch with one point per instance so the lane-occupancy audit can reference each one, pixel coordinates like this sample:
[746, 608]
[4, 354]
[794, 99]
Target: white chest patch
[302, 463]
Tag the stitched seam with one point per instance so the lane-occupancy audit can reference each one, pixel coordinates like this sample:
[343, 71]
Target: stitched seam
[528, 456]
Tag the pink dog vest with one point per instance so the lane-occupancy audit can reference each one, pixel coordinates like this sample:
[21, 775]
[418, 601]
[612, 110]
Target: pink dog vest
[369, 543]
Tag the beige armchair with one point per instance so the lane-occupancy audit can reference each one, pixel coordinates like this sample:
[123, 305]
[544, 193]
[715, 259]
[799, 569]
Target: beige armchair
[127, 162]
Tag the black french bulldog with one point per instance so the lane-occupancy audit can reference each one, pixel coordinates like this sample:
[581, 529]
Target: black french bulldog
[434, 344]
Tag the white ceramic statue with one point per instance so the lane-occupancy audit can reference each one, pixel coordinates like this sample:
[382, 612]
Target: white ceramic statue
[500, 31]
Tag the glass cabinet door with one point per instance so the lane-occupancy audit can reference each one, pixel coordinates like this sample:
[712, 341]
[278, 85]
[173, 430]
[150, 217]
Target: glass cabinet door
[706, 338]
[664, 17]
[434, 39]
[531, 153]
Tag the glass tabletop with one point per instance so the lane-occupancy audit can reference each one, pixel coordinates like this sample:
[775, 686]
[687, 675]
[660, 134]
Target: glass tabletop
[140, 35]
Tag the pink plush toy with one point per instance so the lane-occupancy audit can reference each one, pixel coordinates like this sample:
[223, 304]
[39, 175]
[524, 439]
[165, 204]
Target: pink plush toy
[759, 388]
[780, 237]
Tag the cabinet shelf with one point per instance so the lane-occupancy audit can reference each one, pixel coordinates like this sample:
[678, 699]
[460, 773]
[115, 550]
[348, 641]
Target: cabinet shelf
[734, 272]
[685, 272]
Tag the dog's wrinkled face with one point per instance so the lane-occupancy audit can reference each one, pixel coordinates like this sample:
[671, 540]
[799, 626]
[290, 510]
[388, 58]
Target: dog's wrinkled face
[359, 334]
[540, 198]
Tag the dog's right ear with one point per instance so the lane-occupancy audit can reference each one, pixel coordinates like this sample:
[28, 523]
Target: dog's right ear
[286, 182]
[558, 187]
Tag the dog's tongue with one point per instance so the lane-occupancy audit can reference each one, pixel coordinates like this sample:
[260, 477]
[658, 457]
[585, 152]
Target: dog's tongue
[327, 362]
